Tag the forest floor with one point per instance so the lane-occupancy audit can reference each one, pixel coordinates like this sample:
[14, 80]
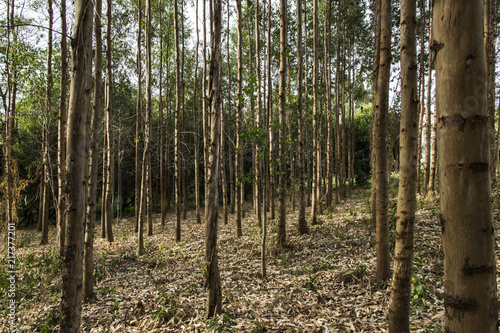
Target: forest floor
[321, 282]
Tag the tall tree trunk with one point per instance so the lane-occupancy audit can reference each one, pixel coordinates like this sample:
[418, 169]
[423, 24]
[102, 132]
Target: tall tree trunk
[470, 288]
[195, 121]
[204, 107]
[381, 111]
[432, 176]
[222, 165]
[239, 118]
[258, 184]
[232, 182]
[427, 161]
[213, 283]
[160, 115]
[79, 104]
[46, 179]
[281, 236]
[147, 121]
[183, 108]
[109, 130]
[399, 306]
[270, 113]
[177, 126]
[61, 130]
[301, 223]
[328, 81]
[421, 88]
[337, 108]
[88, 283]
[316, 158]
[138, 122]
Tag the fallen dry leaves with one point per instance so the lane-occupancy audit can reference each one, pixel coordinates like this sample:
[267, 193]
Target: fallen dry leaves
[321, 282]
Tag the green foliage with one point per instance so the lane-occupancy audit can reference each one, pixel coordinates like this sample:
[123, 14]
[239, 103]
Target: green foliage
[418, 287]
[221, 323]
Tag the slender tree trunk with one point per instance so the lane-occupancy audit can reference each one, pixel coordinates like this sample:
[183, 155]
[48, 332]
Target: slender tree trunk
[177, 126]
[328, 81]
[270, 113]
[160, 116]
[381, 110]
[432, 175]
[213, 283]
[204, 106]
[138, 122]
[232, 183]
[421, 89]
[79, 104]
[315, 189]
[281, 236]
[109, 130]
[427, 161]
[301, 223]
[147, 121]
[337, 109]
[222, 165]
[470, 288]
[258, 168]
[399, 306]
[239, 118]
[183, 108]
[195, 121]
[88, 283]
[45, 154]
[61, 129]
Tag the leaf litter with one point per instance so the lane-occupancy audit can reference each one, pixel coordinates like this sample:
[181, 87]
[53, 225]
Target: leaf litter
[323, 281]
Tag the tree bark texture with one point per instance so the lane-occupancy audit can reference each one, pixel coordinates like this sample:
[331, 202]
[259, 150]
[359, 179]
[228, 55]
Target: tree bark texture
[470, 289]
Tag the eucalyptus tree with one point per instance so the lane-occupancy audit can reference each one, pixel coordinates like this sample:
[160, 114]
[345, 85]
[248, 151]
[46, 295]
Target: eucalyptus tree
[399, 306]
[281, 232]
[45, 181]
[88, 283]
[76, 144]
[239, 119]
[316, 154]
[470, 288]
[177, 126]
[380, 139]
[61, 127]
[213, 281]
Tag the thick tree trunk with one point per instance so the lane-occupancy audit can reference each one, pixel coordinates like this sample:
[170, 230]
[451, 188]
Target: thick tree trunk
[281, 236]
[399, 306]
[470, 288]
[380, 139]
[88, 283]
[213, 283]
[79, 104]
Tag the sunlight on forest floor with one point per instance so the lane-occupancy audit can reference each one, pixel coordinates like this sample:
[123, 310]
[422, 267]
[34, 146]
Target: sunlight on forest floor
[322, 282]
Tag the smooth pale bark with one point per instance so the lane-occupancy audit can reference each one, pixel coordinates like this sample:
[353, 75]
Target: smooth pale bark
[95, 124]
[239, 119]
[427, 160]
[421, 87]
[380, 139]
[177, 127]
[46, 135]
[79, 104]
[431, 192]
[61, 130]
[281, 236]
[301, 223]
[213, 283]
[315, 189]
[108, 212]
[470, 288]
[399, 305]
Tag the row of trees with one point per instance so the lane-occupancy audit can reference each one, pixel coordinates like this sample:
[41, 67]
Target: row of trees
[278, 134]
